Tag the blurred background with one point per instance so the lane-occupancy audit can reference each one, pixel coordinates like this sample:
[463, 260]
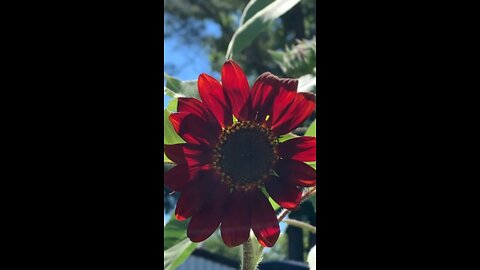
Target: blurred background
[197, 34]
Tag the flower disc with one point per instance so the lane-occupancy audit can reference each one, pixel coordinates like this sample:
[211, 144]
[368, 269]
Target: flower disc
[246, 153]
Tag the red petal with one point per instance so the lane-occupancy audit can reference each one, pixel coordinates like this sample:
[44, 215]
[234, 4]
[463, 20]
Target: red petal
[286, 195]
[191, 105]
[190, 154]
[263, 92]
[236, 88]
[236, 221]
[301, 149]
[211, 92]
[190, 200]
[177, 177]
[264, 221]
[195, 107]
[296, 173]
[285, 95]
[181, 175]
[194, 129]
[300, 109]
[206, 221]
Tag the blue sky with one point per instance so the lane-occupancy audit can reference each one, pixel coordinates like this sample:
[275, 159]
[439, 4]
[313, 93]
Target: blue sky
[190, 60]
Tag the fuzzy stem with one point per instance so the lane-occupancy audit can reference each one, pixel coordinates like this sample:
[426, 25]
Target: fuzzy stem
[250, 259]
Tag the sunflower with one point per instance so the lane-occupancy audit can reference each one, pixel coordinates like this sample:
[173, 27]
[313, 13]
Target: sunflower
[227, 165]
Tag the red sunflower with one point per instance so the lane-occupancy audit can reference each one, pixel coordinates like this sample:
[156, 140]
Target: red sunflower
[224, 164]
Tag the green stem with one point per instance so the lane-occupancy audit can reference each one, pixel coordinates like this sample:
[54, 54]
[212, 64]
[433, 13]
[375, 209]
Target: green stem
[251, 256]
[302, 225]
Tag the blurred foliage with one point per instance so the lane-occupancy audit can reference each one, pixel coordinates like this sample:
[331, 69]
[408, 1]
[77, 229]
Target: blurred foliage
[187, 20]
[299, 59]
[278, 251]
[215, 245]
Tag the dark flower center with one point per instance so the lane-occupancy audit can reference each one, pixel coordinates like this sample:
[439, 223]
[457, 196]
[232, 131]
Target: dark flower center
[245, 155]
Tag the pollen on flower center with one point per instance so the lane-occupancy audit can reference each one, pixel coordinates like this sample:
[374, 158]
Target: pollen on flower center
[245, 155]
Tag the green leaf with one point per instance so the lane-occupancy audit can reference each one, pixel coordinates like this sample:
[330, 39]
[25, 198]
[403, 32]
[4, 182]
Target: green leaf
[172, 105]
[307, 83]
[286, 137]
[175, 232]
[256, 24]
[166, 159]
[177, 254]
[170, 136]
[252, 8]
[176, 87]
[176, 246]
[274, 204]
[312, 258]
[170, 93]
[312, 164]
[312, 129]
